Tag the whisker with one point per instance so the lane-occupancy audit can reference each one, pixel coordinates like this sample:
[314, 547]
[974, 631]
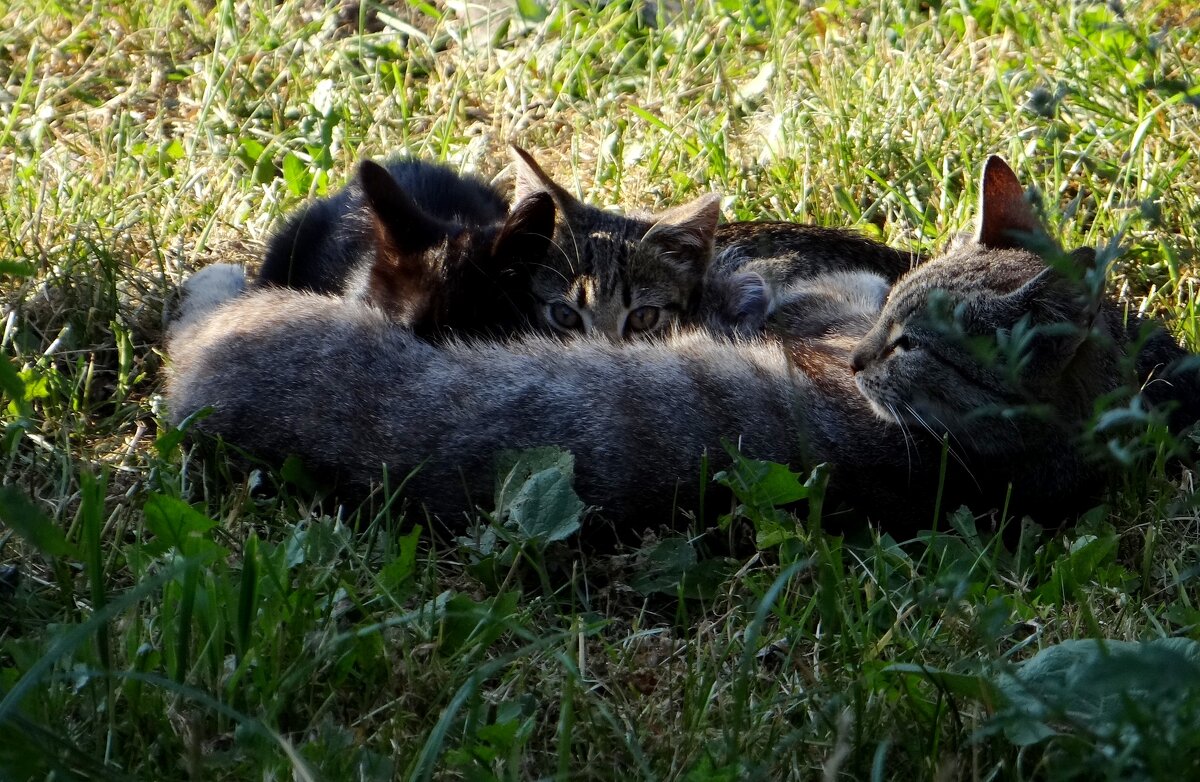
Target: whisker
[949, 436]
[903, 433]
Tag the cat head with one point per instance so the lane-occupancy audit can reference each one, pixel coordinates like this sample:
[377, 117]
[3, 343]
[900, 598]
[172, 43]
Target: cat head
[438, 276]
[993, 330]
[622, 276]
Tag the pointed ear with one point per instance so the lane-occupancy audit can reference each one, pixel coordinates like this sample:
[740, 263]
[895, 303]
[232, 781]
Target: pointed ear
[527, 232]
[398, 219]
[1065, 305]
[532, 179]
[689, 227]
[399, 279]
[1006, 219]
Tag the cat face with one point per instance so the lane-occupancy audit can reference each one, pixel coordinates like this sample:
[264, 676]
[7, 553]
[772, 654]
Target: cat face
[617, 275]
[984, 334]
[437, 276]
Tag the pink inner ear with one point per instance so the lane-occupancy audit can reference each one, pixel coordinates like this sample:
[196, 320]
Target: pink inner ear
[1004, 213]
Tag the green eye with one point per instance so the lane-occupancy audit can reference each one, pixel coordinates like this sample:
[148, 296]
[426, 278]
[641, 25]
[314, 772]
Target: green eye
[565, 316]
[643, 319]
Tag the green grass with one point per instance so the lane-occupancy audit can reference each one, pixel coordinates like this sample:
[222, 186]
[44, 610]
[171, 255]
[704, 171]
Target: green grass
[171, 622]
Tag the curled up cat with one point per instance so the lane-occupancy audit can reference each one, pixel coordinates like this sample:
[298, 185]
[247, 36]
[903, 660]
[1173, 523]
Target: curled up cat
[988, 351]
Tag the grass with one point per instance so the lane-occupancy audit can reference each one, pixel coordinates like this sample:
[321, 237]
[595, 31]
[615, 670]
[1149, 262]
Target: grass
[161, 621]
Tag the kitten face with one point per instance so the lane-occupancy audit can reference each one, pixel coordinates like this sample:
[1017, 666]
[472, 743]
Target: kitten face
[984, 334]
[437, 276]
[617, 275]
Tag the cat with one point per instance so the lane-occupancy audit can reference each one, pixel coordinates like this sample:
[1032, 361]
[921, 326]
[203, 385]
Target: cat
[620, 275]
[435, 250]
[339, 384]
[1005, 344]
[631, 275]
[876, 393]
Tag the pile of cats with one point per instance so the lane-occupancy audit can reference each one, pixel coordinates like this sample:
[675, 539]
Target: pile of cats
[417, 325]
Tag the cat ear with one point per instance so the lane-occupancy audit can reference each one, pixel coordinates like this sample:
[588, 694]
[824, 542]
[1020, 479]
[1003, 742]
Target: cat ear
[403, 236]
[1006, 219]
[1063, 306]
[688, 228]
[1063, 287]
[527, 232]
[400, 224]
[532, 179]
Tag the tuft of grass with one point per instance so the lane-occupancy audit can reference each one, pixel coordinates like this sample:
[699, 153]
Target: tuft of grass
[159, 620]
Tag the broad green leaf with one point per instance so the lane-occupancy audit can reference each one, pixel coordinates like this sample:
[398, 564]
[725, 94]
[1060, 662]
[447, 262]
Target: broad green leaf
[964, 685]
[760, 484]
[546, 507]
[536, 495]
[466, 621]
[11, 384]
[532, 10]
[296, 175]
[1105, 686]
[175, 524]
[664, 566]
[16, 269]
[399, 571]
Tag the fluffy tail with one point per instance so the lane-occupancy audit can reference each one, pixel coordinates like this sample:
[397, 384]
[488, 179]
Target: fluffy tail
[208, 289]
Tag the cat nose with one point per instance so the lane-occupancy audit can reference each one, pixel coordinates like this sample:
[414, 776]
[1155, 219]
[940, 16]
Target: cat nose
[858, 362]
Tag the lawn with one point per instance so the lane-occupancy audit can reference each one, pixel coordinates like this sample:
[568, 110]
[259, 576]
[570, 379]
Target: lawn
[162, 617]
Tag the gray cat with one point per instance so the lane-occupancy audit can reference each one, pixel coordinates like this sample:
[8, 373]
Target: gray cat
[619, 275]
[986, 346]
[337, 383]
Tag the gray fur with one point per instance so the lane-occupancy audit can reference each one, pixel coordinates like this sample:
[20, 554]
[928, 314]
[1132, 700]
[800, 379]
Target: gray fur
[337, 383]
[604, 266]
[340, 385]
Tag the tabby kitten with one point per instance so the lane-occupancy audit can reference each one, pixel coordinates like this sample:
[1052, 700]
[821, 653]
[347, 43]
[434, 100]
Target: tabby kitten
[438, 252]
[625, 276]
[617, 275]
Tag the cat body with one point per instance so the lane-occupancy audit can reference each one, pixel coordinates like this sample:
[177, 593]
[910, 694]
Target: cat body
[986, 351]
[337, 383]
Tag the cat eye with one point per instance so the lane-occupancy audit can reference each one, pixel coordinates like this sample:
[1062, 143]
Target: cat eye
[900, 344]
[642, 319]
[566, 317]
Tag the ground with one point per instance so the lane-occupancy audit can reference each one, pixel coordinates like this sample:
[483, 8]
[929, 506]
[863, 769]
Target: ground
[161, 619]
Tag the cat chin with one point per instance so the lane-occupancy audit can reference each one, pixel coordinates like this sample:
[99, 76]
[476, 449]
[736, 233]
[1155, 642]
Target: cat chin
[878, 407]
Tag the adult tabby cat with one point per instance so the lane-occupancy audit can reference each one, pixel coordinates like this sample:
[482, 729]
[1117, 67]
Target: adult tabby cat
[987, 346]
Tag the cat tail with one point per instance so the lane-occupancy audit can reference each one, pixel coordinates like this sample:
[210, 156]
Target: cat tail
[208, 289]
